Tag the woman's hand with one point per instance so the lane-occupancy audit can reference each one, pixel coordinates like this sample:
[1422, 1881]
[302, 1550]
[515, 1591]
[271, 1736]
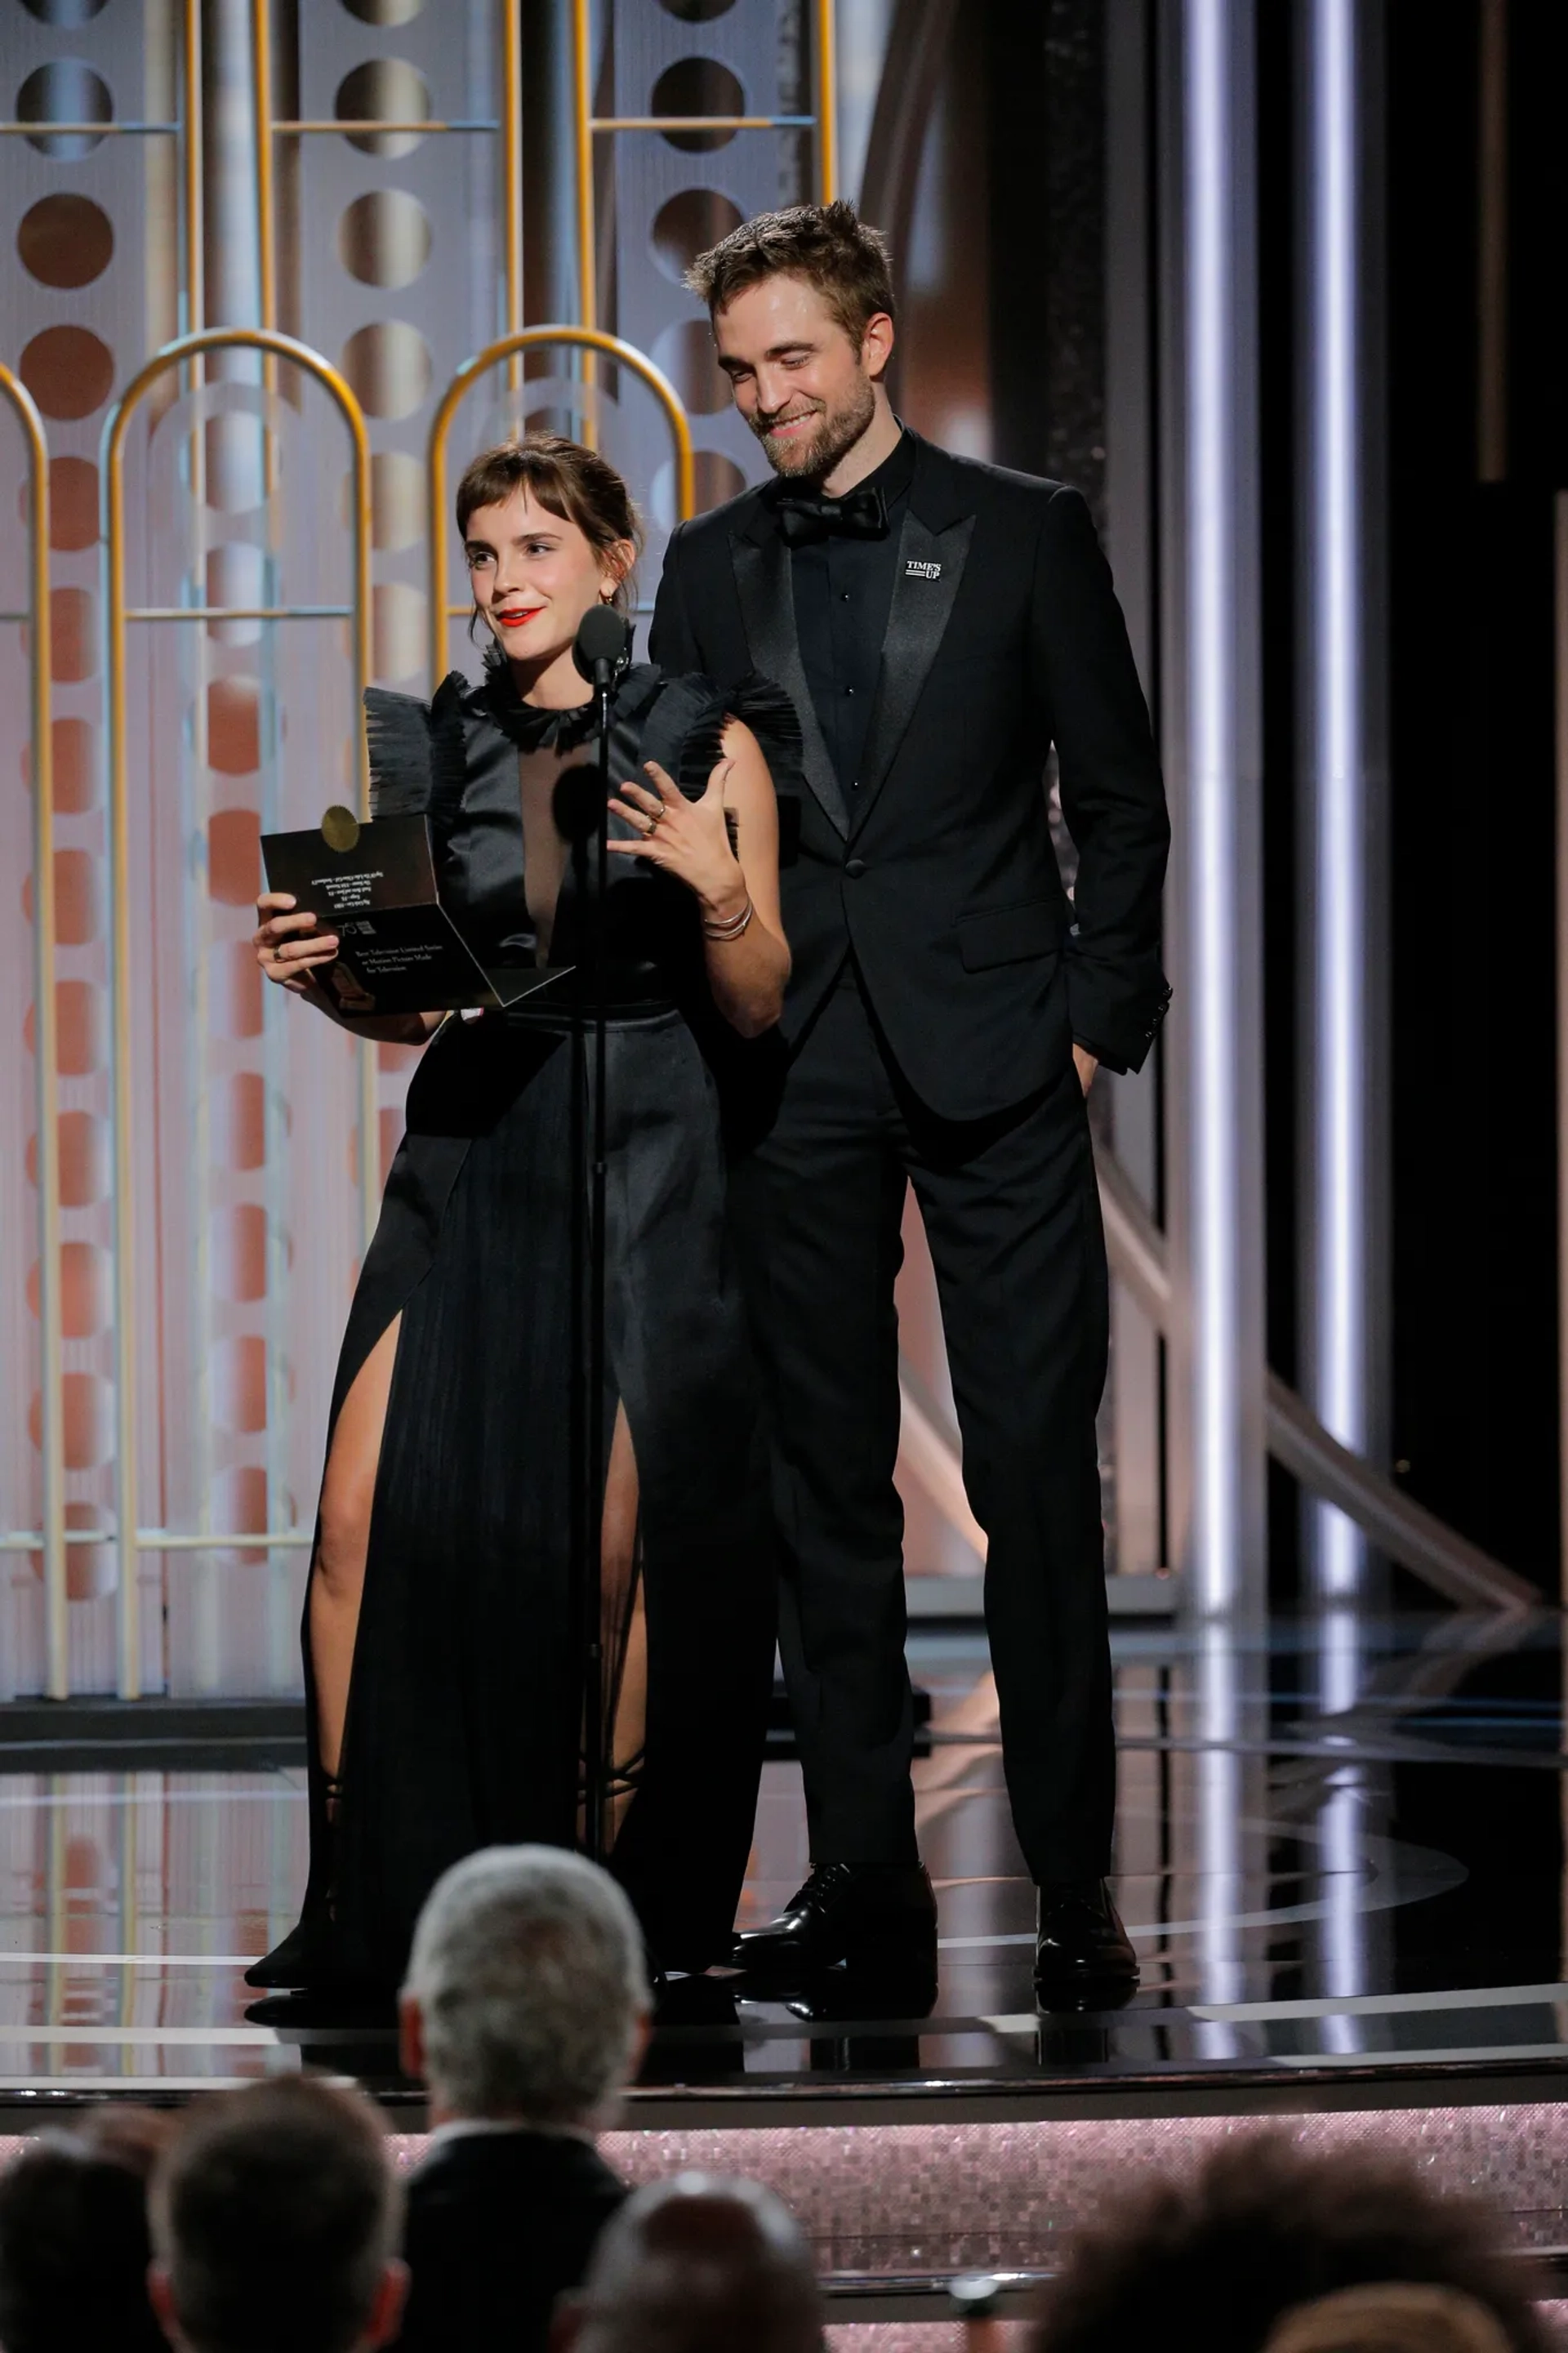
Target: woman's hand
[289, 952]
[286, 946]
[689, 839]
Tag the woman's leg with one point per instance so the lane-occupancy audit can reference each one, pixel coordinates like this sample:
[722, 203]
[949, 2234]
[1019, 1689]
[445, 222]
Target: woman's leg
[624, 1626]
[337, 1576]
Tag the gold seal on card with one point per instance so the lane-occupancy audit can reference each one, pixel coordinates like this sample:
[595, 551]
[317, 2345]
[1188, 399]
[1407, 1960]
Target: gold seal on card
[340, 828]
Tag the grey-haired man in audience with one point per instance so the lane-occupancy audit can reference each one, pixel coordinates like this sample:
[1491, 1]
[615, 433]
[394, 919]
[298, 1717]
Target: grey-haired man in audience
[525, 2012]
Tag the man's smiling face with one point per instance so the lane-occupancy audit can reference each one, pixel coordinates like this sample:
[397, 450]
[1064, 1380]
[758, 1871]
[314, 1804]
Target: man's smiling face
[803, 386]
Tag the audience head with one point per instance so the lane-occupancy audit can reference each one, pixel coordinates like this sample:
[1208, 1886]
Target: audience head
[74, 2244]
[526, 1998]
[275, 2222]
[1390, 2319]
[696, 2264]
[1217, 2259]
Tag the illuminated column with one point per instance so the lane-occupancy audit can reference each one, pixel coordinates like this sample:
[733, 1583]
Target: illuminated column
[1344, 1058]
[1210, 716]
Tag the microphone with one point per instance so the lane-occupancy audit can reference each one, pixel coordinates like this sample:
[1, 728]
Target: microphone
[601, 646]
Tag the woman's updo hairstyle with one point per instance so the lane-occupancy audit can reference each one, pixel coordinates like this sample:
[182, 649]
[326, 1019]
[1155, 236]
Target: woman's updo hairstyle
[567, 480]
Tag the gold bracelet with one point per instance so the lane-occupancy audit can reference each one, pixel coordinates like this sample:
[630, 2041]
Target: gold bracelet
[729, 927]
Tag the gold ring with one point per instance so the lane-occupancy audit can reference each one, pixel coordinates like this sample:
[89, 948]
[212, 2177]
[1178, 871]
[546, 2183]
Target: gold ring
[656, 818]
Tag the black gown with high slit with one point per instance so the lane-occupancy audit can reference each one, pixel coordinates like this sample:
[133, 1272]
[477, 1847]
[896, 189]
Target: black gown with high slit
[464, 1725]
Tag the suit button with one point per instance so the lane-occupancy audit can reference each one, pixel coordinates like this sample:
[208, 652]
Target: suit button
[855, 867]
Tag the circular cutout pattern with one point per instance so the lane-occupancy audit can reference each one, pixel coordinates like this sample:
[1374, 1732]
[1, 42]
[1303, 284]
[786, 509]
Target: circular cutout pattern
[388, 367]
[65, 90]
[396, 499]
[384, 89]
[68, 372]
[383, 238]
[73, 504]
[385, 14]
[397, 631]
[237, 715]
[75, 749]
[697, 12]
[73, 636]
[685, 353]
[687, 224]
[715, 478]
[237, 449]
[698, 86]
[65, 240]
[65, 16]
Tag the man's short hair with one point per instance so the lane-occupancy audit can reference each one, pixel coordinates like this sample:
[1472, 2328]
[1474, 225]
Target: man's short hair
[828, 246]
[74, 2241]
[700, 2263]
[1213, 2260]
[528, 1969]
[276, 2213]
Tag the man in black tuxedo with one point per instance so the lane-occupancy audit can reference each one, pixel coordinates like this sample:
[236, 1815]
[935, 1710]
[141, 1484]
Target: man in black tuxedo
[939, 624]
[525, 2013]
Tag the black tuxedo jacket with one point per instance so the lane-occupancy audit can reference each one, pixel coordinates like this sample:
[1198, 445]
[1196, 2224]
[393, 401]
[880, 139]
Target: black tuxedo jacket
[1005, 635]
[496, 2226]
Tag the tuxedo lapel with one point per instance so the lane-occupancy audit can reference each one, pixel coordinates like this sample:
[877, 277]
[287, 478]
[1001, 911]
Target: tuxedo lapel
[767, 594]
[933, 548]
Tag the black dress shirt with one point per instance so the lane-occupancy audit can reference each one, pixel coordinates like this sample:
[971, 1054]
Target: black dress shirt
[843, 593]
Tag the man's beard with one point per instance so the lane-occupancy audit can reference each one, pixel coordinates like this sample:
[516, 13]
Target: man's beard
[837, 435]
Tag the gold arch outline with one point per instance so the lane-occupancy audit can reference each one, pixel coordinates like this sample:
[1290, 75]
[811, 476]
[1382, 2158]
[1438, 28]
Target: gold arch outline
[528, 339]
[46, 1046]
[130, 1539]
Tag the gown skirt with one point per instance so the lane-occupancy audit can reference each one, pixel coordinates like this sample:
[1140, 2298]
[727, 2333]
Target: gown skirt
[464, 1720]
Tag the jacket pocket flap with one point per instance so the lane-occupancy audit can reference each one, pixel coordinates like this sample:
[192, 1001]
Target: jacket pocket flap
[1008, 934]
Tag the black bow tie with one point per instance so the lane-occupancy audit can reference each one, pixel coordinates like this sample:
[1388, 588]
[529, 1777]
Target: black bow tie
[807, 515]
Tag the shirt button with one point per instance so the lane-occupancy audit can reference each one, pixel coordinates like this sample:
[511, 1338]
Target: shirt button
[855, 867]
[844, 598]
[849, 689]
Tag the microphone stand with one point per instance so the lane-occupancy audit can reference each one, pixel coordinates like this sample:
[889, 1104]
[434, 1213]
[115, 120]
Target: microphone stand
[599, 659]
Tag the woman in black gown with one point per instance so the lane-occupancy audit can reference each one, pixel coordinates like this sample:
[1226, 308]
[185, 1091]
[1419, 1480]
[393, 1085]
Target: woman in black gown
[444, 1699]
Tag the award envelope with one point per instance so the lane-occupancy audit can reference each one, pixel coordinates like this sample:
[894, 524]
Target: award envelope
[399, 950]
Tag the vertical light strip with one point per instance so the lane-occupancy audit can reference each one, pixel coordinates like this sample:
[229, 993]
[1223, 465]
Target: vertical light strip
[266, 160]
[1217, 439]
[1338, 1300]
[511, 179]
[826, 102]
[1561, 521]
[46, 1051]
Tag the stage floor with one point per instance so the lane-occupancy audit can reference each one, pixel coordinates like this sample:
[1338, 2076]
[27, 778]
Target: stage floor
[1340, 1909]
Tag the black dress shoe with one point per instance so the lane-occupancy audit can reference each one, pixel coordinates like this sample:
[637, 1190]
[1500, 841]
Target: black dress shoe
[1082, 1952]
[300, 1960]
[854, 1915]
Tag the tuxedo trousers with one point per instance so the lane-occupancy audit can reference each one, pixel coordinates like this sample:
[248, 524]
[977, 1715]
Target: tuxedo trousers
[1011, 1217]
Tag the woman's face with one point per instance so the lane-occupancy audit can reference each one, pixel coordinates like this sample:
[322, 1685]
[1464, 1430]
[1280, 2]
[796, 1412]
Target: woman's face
[535, 574]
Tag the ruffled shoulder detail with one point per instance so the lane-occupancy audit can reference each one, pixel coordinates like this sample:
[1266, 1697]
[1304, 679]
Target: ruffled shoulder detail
[685, 733]
[417, 755]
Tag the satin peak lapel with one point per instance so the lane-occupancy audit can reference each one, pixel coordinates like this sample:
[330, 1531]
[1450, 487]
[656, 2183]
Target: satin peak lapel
[767, 609]
[931, 566]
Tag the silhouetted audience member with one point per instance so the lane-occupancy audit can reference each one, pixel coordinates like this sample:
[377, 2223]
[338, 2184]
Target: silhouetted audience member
[1390, 2319]
[525, 2012]
[74, 2244]
[696, 2264]
[275, 2222]
[1215, 2261]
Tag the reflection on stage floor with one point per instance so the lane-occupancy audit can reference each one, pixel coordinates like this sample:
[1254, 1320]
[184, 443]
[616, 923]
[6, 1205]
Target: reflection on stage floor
[1366, 1891]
